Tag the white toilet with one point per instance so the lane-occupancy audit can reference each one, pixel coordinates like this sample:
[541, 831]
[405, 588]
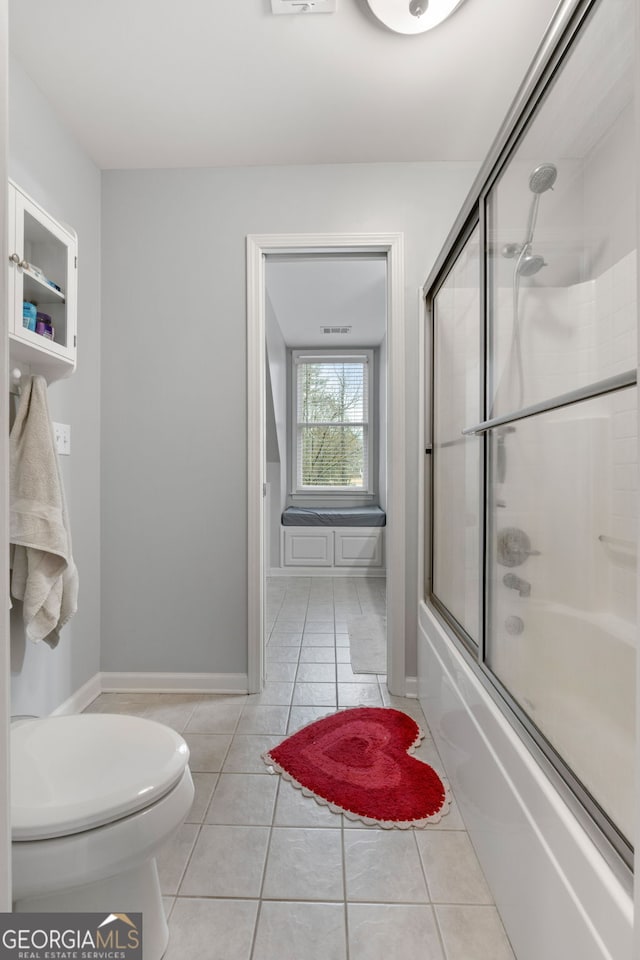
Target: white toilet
[93, 798]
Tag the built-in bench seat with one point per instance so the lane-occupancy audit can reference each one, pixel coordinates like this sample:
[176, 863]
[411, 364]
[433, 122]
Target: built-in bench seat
[369, 516]
[334, 538]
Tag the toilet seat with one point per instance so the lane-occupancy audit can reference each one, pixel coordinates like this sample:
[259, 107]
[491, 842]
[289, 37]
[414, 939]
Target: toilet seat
[70, 774]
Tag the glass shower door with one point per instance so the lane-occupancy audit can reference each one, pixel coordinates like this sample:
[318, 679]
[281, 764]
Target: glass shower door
[457, 559]
[562, 463]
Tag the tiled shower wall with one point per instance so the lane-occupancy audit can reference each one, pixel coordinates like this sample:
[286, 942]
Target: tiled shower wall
[573, 336]
[607, 307]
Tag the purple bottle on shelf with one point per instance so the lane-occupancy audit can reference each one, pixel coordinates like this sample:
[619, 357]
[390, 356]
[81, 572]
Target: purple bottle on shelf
[44, 326]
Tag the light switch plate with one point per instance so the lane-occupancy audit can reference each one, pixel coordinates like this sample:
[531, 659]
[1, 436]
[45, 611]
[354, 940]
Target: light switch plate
[62, 436]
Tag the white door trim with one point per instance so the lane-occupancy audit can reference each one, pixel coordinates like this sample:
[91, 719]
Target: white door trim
[5, 671]
[391, 244]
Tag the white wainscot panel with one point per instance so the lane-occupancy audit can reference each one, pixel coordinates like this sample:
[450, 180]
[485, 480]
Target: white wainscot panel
[308, 547]
[358, 547]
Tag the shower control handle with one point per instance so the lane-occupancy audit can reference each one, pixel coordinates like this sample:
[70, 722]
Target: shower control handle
[513, 547]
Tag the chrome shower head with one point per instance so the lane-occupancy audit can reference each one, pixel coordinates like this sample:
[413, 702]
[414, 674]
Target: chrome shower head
[530, 264]
[540, 180]
[543, 178]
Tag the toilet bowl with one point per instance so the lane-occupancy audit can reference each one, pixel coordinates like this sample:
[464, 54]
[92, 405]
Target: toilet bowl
[93, 798]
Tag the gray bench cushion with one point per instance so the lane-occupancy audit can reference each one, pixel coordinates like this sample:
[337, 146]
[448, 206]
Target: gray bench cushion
[373, 516]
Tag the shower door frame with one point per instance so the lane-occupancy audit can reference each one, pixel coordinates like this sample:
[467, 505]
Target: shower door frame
[568, 21]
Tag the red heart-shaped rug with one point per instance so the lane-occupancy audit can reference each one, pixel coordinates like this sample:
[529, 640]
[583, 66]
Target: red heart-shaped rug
[357, 762]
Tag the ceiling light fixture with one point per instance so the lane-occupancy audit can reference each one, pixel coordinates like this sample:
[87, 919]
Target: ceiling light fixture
[412, 16]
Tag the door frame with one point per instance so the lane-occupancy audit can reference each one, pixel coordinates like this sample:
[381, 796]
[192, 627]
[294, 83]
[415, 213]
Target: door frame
[5, 671]
[258, 247]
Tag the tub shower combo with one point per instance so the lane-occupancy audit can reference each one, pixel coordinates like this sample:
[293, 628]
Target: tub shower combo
[528, 629]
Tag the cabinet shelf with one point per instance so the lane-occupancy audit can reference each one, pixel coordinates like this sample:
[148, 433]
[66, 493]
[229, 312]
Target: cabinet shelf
[36, 238]
[38, 291]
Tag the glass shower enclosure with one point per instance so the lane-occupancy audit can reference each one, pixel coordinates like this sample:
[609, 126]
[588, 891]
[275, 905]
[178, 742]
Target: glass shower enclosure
[533, 312]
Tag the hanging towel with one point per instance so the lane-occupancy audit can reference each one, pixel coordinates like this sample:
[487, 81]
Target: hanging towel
[43, 575]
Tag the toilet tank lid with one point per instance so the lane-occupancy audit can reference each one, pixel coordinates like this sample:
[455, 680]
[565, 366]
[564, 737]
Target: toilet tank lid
[75, 773]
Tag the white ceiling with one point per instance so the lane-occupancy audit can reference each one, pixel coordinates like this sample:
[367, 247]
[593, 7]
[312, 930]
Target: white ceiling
[308, 292]
[161, 83]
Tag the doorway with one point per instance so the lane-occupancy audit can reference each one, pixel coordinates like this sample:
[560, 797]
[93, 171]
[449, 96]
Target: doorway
[368, 247]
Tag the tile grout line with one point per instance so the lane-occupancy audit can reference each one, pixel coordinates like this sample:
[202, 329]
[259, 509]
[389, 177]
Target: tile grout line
[219, 772]
[342, 818]
[445, 952]
[264, 870]
[429, 897]
[202, 823]
[346, 895]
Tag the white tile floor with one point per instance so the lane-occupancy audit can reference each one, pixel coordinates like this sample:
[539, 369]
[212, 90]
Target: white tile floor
[260, 872]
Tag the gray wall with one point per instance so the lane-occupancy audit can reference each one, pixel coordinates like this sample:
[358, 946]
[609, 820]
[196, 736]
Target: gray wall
[174, 492]
[46, 162]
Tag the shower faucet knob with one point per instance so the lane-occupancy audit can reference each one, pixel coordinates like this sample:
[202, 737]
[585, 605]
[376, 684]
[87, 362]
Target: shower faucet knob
[513, 547]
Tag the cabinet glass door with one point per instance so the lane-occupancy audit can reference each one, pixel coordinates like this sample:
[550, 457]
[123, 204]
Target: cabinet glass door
[43, 259]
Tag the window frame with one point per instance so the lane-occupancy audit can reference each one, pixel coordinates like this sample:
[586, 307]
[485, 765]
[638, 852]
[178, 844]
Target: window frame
[368, 488]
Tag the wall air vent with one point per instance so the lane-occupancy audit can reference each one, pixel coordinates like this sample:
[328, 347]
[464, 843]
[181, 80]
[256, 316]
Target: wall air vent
[335, 329]
[303, 6]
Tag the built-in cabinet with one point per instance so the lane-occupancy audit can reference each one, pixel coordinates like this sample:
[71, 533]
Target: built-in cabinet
[332, 547]
[43, 263]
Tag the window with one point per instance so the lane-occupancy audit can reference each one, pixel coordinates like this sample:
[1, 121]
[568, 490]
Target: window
[332, 430]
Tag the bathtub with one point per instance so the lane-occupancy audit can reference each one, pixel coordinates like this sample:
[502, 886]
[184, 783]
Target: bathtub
[574, 675]
[557, 894]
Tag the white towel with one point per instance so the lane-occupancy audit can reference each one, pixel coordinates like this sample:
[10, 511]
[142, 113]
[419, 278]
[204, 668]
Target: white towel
[44, 575]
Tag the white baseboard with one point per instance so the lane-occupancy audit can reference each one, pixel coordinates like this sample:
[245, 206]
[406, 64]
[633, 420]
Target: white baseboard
[326, 572]
[81, 699]
[411, 687]
[175, 682]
